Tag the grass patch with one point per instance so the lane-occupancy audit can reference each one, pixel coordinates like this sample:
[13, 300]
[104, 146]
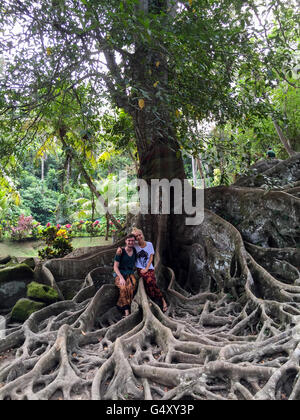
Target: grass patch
[31, 248]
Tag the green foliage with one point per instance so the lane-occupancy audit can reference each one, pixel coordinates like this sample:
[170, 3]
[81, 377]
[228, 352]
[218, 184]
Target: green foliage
[286, 100]
[9, 195]
[227, 63]
[41, 203]
[119, 129]
[208, 45]
[58, 243]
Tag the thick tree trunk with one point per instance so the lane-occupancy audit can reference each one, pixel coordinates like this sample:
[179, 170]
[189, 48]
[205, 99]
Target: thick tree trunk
[158, 149]
[66, 172]
[160, 159]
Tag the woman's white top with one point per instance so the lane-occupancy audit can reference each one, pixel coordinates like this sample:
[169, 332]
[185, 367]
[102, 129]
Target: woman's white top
[143, 255]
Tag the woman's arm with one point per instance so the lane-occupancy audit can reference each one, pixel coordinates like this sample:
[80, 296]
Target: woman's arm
[144, 270]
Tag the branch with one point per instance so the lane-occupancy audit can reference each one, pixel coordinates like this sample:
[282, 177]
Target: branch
[284, 141]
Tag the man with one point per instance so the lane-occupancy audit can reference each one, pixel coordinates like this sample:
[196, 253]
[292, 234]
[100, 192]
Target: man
[271, 153]
[144, 259]
[124, 268]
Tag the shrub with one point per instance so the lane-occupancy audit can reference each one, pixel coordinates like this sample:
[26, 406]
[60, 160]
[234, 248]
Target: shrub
[58, 243]
[23, 228]
[37, 230]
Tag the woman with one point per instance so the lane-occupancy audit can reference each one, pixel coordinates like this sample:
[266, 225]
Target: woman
[145, 268]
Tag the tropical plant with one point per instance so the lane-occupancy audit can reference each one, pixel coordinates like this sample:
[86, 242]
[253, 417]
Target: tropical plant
[23, 229]
[58, 243]
[8, 195]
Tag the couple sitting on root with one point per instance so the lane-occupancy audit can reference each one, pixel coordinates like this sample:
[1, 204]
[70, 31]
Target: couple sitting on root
[139, 255]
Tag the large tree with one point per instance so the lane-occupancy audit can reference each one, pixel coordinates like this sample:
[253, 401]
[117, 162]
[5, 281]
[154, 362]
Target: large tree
[232, 282]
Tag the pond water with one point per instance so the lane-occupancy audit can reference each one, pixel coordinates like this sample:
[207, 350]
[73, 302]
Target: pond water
[31, 248]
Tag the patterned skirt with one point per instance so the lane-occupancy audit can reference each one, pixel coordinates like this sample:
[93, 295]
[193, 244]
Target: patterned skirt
[151, 287]
[126, 292]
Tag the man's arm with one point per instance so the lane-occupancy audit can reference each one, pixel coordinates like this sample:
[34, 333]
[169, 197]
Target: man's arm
[118, 273]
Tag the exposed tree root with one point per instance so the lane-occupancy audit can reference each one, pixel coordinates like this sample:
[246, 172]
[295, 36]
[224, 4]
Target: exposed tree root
[232, 329]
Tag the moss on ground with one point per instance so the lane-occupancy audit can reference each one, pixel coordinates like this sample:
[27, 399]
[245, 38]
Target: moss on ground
[15, 272]
[24, 308]
[42, 292]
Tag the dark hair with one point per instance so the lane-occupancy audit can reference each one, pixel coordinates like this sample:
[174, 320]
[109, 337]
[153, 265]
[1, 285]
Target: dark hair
[131, 235]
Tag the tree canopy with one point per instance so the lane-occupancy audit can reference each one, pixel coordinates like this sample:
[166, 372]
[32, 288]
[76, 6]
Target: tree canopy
[174, 63]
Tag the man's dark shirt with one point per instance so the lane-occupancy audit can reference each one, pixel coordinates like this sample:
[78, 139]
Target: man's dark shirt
[126, 263]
